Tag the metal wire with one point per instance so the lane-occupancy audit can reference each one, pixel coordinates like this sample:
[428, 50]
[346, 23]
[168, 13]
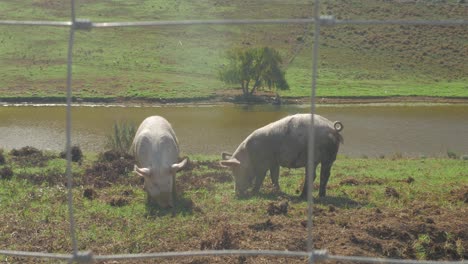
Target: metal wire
[311, 142]
[68, 132]
[17, 253]
[317, 255]
[36, 23]
[403, 22]
[324, 20]
[390, 261]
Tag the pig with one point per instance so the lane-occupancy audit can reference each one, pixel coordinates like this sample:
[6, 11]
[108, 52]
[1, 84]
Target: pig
[156, 152]
[284, 143]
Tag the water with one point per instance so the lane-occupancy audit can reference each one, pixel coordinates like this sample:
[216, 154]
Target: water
[368, 130]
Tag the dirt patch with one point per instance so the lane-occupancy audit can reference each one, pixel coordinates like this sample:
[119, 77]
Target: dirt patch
[363, 181]
[111, 168]
[76, 154]
[30, 156]
[49, 176]
[90, 194]
[119, 201]
[459, 194]
[187, 180]
[394, 233]
[408, 180]
[268, 225]
[280, 208]
[391, 192]
[122, 199]
[222, 238]
[6, 173]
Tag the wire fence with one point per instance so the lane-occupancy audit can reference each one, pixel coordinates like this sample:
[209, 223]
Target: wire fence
[312, 255]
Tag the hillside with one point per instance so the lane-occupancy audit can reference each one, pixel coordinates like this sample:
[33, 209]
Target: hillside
[181, 62]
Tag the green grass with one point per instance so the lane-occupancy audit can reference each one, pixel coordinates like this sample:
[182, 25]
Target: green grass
[35, 217]
[181, 62]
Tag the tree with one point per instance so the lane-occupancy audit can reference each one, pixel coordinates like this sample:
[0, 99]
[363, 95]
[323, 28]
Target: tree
[254, 69]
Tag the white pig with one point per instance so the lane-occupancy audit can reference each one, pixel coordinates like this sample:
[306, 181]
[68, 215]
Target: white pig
[156, 152]
[284, 143]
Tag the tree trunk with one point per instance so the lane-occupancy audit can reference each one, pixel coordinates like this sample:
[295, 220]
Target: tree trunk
[245, 88]
[256, 85]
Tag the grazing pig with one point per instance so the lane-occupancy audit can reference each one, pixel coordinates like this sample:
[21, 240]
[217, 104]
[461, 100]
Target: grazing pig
[284, 143]
[156, 152]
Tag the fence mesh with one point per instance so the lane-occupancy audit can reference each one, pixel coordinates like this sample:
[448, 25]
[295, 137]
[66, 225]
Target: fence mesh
[313, 255]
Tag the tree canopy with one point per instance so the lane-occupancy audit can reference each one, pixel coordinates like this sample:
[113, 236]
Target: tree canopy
[253, 69]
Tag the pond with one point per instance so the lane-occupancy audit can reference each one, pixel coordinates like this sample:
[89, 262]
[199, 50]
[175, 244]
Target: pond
[369, 130]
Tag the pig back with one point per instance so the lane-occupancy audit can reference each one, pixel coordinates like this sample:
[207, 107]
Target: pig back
[293, 149]
[155, 142]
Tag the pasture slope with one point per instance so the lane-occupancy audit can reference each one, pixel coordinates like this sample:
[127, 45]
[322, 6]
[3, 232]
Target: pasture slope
[389, 207]
[179, 63]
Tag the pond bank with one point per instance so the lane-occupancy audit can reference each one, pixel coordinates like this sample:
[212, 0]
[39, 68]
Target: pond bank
[217, 100]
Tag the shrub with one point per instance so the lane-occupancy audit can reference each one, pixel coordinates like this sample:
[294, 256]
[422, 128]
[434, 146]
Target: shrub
[452, 155]
[122, 137]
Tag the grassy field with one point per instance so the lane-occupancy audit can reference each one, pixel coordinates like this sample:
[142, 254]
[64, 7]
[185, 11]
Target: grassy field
[181, 62]
[393, 207]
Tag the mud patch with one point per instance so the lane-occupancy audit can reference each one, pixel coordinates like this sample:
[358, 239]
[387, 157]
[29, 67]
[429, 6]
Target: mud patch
[280, 208]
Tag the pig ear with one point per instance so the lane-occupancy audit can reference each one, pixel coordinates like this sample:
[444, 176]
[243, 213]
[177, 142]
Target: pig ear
[231, 163]
[178, 166]
[142, 171]
[226, 155]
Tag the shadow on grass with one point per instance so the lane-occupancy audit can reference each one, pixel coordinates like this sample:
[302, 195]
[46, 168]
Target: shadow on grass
[339, 202]
[183, 206]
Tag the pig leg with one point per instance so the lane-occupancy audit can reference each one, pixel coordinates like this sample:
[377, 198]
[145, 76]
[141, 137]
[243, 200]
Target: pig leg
[260, 177]
[174, 191]
[306, 180]
[324, 176]
[274, 174]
